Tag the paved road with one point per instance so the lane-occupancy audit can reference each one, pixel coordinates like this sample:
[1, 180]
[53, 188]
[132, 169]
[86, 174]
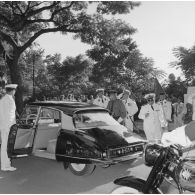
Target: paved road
[38, 175]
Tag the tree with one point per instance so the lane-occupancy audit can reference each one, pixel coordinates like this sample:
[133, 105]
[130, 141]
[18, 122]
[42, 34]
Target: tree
[175, 86]
[185, 61]
[140, 71]
[70, 76]
[118, 61]
[22, 22]
[31, 64]
[112, 49]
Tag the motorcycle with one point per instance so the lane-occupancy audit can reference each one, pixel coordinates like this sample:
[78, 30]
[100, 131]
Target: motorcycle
[167, 164]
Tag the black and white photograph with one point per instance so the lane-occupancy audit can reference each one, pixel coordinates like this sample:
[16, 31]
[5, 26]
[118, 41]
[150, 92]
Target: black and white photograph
[97, 97]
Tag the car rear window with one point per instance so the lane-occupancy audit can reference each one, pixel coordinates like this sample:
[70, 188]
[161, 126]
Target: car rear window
[93, 119]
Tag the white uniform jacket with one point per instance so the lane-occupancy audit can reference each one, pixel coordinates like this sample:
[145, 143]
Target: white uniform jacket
[7, 112]
[193, 105]
[161, 115]
[102, 102]
[167, 106]
[152, 126]
[131, 108]
[191, 100]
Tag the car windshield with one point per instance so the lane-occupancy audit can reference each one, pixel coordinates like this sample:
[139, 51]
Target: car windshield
[93, 119]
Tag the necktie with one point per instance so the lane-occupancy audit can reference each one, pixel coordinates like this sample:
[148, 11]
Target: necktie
[112, 105]
[152, 107]
[176, 109]
[102, 100]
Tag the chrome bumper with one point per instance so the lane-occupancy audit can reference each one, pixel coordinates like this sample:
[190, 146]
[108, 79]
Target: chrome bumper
[128, 157]
[119, 159]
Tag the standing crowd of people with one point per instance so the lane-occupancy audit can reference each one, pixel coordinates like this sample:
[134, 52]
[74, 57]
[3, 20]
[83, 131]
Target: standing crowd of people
[160, 112]
[157, 114]
[121, 107]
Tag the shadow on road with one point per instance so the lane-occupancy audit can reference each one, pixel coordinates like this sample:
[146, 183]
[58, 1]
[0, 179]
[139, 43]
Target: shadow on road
[38, 175]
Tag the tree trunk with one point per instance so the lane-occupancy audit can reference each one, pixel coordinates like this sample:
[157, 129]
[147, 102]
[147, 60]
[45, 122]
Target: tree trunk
[16, 79]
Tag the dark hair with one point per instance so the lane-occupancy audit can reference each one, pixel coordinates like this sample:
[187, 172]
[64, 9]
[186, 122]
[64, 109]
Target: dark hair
[9, 89]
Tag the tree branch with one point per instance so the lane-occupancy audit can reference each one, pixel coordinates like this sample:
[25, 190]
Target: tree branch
[52, 16]
[48, 30]
[34, 12]
[8, 39]
[36, 4]
[28, 6]
[19, 9]
[12, 7]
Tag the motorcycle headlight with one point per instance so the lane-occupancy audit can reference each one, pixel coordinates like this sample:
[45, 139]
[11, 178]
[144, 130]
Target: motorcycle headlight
[152, 151]
[187, 174]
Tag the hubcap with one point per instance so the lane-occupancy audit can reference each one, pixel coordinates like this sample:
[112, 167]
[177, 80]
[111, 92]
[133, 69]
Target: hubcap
[78, 167]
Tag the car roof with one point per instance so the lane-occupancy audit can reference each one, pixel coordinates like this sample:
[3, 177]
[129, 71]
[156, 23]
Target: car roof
[68, 107]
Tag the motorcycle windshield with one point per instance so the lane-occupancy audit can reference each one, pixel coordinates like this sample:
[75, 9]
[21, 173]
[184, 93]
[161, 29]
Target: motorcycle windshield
[185, 135]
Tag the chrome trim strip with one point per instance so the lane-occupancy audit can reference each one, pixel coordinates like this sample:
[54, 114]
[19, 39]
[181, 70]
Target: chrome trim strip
[109, 161]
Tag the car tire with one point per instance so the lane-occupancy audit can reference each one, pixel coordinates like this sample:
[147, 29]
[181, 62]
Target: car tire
[81, 169]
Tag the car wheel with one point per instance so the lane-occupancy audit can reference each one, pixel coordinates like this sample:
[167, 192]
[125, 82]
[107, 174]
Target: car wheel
[81, 169]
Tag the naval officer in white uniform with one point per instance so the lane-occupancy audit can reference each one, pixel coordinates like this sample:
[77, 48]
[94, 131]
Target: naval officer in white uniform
[7, 119]
[150, 115]
[191, 100]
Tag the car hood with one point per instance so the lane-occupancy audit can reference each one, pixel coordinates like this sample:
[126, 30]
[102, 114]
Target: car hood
[111, 136]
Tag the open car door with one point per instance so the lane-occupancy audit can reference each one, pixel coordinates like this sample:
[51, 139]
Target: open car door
[21, 136]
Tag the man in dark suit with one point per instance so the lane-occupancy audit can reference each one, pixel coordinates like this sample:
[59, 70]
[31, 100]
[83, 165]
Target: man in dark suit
[116, 108]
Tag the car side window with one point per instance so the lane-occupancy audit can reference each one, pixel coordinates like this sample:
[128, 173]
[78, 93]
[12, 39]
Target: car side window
[29, 115]
[49, 116]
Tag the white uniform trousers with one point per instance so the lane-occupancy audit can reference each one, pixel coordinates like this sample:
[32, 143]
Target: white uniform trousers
[5, 161]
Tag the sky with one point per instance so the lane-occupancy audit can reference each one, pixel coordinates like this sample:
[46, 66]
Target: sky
[161, 26]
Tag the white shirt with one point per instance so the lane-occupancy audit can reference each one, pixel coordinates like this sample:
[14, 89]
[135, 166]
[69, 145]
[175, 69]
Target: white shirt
[130, 106]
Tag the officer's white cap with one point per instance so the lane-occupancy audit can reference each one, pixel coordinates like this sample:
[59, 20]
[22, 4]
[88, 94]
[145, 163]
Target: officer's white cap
[149, 96]
[127, 92]
[11, 86]
[100, 90]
